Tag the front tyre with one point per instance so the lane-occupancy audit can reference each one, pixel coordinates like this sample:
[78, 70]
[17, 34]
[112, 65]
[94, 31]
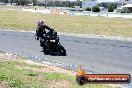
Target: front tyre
[62, 51]
[45, 50]
[41, 44]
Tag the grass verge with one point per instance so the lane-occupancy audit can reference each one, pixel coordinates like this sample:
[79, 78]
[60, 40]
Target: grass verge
[19, 74]
[19, 20]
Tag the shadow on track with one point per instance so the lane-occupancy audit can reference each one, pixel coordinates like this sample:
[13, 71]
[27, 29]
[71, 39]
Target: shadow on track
[53, 53]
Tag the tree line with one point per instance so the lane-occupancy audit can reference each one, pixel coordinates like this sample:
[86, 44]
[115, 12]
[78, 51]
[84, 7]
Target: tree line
[19, 2]
[46, 3]
[63, 3]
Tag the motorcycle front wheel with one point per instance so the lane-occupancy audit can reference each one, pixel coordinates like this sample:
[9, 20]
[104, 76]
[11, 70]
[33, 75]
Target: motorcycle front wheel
[41, 44]
[62, 51]
[45, 50]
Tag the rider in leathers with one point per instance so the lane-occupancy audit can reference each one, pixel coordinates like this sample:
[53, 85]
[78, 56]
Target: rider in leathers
[40, 31]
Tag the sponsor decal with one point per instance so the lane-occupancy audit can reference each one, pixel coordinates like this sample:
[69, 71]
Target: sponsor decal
[82, 77]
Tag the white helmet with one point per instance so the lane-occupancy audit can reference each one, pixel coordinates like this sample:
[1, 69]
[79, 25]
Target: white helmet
[40, 23]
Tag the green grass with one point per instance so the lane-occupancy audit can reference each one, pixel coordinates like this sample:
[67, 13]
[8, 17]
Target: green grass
[28, 78]
[19, 20]
[21, 7]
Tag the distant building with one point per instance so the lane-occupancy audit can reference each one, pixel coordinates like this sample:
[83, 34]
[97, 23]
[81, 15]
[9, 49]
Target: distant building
[1, 3]
[123, 2]
[126, 1]
[89, 3]
[31, 4]
[127, 8]
[124, 6]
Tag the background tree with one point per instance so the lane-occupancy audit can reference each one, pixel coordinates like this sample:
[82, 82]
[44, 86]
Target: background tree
[110, 8]
[34, 2]
[5, 1]
[96, 9]
[107, 4]
[88, 9]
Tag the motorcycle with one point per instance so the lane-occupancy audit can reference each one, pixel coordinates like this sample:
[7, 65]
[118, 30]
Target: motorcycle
[50, 43]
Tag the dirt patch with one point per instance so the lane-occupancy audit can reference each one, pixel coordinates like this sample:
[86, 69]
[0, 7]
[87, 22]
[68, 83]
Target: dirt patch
[37, 67]
[4, 84]
[47, 68]
[60, 84]
[8, 57]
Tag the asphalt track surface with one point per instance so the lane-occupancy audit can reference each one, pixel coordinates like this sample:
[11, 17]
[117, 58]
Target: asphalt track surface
[101, 55]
